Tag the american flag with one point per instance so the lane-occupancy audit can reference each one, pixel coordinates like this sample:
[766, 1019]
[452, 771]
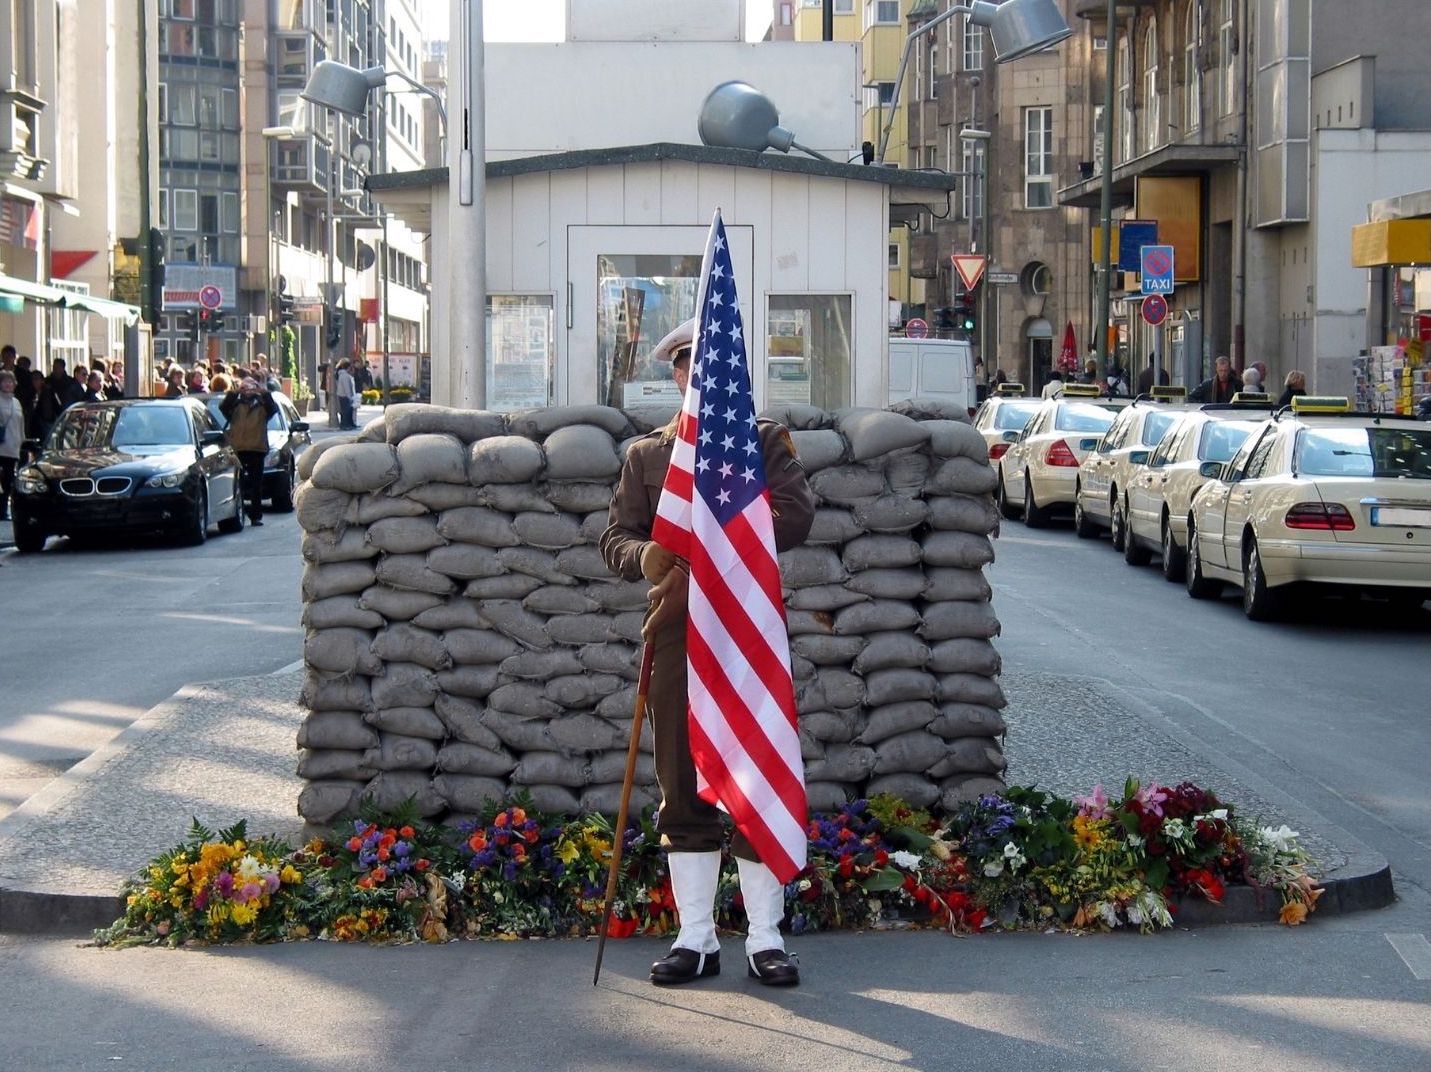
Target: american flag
[714, 512]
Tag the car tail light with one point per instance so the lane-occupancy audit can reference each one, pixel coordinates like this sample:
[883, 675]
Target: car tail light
[997, 451]
[972, 411]
[1059, 454]
[1326, 516]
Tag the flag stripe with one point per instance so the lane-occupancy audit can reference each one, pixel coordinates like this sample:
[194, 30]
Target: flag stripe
[772, 845]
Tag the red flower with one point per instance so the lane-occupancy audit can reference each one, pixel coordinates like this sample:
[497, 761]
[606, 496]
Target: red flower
[421, 865]
[477, 842]
[531, 836]
[407, 831]
[383, 853]
[380, 874]
[881, 858]
[354, 844]
[847, 866]
[501, 820]
[975, 919]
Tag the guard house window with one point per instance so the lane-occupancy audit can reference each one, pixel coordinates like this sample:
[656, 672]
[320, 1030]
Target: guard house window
[1192, 79]
[640, 297]
[1152, 103]
[973, 47]
[521, 348]
[808, 347]
[1228, 83]
[1038, 157]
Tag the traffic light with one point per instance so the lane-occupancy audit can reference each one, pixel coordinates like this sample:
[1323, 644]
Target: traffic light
[189, 325]
[966, 318]
[943, 322]
[206, 321]
[285, 307]
[335, 328]
[156, 273]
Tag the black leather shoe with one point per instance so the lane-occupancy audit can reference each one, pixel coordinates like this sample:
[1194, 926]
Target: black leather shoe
[774, 967]
[683, 965]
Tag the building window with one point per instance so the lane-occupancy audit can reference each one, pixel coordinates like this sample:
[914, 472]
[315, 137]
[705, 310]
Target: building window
[971, 163]
[1100, 43]
[1098, 113]
[186, 210]
[163, 210]
[973, 47]
[808, 346]
[1227, 102]
[785, 15]
[1152, 102]
[1192, 78]
[932, 71]
[843, 7]
[881, 13]
[1125, 99]
[181, 105]
[1038, 157]
[229, 220]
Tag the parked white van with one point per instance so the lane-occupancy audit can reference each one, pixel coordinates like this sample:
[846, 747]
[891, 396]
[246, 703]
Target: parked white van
[941, 369]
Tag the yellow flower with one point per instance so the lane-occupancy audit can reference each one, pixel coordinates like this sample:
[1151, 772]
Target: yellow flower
[244, 914]
[1293, 913]
[567, 852]
[290, 875]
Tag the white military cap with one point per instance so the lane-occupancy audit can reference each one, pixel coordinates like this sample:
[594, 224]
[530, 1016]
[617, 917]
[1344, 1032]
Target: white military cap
[682, 337]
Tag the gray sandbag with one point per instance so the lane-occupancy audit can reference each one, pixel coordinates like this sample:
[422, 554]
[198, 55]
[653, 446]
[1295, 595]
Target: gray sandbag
[552, 532]
[523, 699]
[480, 525]
[875, 616]
[891, 513]
[619, 705]
[581, 691]
[324, 802]
[303, 467]
[550, 768]
[579, 497]
[962, 550]
[455, 612]
[547, 421]
[407, 722]
[579, 629]
[435, 498]
[469, 792]
[906, 584]
[459, 757]
[315, 764]
[517, 732]
[338, 612]
[913, 789]
[410, 572]
[801, 669]
[963, 513]
[832, 525]
[965, 655]
[581, 452]
[504, 459]
[321, 509]
[336, 729]
[809, 622]
[967, 720]
[946, 585]
[540, 666]
[961, 476]
[395, 604]
[810, 748]
[376, 505]
[842, 763]
[626, 626]
[373, 432]
[356, 467]
[819, 449]
[477, 647]
[514, 498]
[390, 789]
[534, 562]
[335, 692]
[398, 753]
[913, 751]
[804, 567]
[873, 433]
[329, 546]
[429, 458]
[585, 733]
[509, 617]
[847, 485]
[555, 799]
[931, 409]
[840, 687]
[610, 658]
[898, 685]
[827, 796]
[508, 586]
[949, 439]
[831, 727]
[583, 562]
[465, 561]
[944, 621]
[404, 685]
[896, 718]
[828, 597]
[404, 643]
[798, 416]
[405, 535]
[605, 799]
[891, 648]
[463, 721]
[960, 789]
[341, 651]
[880, 552]
[475, 682]
[593, 525]
[977, 755]
[970, 689]
[559, 599]
[617, 595]
[827, 650]
[907, 473]
[404, 419]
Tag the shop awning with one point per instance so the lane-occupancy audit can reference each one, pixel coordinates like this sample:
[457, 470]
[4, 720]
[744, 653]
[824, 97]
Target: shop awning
[29, 289]
[110, 310]
[65, 261]
[1387, 243]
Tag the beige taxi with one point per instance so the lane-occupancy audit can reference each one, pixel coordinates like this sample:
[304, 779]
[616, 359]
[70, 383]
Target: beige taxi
[1100, 494]
[1002, 416]
[1160, 493]
[1317, 495]
[1039, 471]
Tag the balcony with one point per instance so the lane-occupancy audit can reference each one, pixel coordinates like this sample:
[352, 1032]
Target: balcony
[300, 164]
[294, 57]
[19, 144]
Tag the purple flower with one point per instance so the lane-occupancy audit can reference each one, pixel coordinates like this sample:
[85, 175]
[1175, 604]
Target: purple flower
[401, 849]
[224, 884]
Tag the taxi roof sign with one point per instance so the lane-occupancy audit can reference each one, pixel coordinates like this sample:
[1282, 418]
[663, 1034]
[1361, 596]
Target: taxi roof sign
[1081, 390]
[1167, 393]
[1009, 387]
[1250, 398]
[1321, 404]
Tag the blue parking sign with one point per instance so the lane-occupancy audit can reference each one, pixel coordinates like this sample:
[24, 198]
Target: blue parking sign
[1157, 269]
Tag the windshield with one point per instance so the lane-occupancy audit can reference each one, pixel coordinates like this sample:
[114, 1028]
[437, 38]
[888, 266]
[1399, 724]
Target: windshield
[1082, 417]
[1156, 426]
[1220, 439]
[130, 426]
[1364, 452]
[1011, 416]
[275, 423]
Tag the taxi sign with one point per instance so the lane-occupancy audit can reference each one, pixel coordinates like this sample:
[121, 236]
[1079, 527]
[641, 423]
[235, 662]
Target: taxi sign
[1169, 393]
[1321, 404]
[1081, 390]
[1008, 387]
[1250, 398]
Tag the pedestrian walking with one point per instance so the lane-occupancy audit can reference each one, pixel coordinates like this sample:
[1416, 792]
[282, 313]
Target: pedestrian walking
[1294, 385]
[12, 434]
[1153, 375]
[1251, 380]
[1054, 387]
[248, 411]
[174, 382]
[1220, 386]
[94, 387]
[346, 393]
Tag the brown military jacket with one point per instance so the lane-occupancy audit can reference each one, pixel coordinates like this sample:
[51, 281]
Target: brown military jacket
[633, 508]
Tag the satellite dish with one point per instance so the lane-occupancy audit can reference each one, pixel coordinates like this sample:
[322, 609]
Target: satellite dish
[366, 257]
[736, 115]
[362, 154]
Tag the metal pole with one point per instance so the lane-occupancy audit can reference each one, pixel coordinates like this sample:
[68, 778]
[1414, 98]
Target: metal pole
[331, 234]
[383, 312]
[1105, 201]
[465, 382]
[918, 31]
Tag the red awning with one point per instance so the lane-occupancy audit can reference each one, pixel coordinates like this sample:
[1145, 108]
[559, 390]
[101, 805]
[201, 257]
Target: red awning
[65, 261]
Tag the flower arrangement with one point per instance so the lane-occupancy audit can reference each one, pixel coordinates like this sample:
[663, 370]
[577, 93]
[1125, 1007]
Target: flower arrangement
[1023, 858]
[372, 396]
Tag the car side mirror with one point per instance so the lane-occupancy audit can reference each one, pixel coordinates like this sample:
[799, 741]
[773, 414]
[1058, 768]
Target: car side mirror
[31, 446]
[1138, 457]
[1010, 437]
[299, 426]
[211, 439]
[1210, 470]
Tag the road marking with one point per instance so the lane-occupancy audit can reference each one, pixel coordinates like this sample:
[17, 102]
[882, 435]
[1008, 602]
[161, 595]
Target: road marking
[1414, 951]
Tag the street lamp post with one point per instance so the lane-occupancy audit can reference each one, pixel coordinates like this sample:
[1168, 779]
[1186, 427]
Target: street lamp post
[984, 245]
[1105, 198]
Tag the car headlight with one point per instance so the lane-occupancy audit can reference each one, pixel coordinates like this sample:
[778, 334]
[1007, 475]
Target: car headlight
[167, 480]
[30, 481]
[271, 461]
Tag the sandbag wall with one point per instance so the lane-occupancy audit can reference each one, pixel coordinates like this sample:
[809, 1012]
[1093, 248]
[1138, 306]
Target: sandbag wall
[464, 638]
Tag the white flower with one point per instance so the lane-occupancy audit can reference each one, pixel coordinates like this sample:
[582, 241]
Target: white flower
[994, 868]
[907, 860]
[1134, 841]
[249, 869]
[1175, 829]
[1135, 914]
[1108, 913]
[1217, 813]
[1010, 851]
[1282, 837]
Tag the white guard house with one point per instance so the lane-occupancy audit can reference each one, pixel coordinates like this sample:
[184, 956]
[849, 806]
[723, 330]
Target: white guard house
[593, 251]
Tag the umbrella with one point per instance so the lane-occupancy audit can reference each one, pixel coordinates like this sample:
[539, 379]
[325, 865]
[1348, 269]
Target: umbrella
[1068, 354]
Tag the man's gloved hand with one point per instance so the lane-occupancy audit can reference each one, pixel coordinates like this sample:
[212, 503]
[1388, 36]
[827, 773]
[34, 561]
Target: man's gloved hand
[668, 602]
[656, 562]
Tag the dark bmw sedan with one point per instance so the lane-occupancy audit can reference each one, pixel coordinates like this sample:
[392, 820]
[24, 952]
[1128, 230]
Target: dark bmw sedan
[138, 465]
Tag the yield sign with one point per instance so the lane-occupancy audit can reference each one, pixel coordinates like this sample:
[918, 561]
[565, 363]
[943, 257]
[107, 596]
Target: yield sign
[970, 267]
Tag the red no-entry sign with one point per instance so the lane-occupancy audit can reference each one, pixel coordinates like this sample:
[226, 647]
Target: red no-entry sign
[1155, 309]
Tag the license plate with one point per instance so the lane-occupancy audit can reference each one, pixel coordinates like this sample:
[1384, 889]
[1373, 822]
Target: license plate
[1401, 517]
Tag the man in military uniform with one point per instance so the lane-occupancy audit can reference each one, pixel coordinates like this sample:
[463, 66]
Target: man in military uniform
[691, 829]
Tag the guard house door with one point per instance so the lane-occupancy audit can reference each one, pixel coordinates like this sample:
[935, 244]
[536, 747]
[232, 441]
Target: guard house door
[629, 286]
